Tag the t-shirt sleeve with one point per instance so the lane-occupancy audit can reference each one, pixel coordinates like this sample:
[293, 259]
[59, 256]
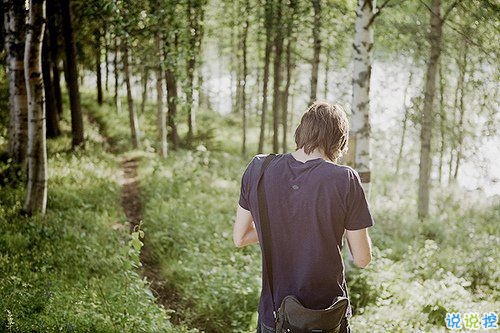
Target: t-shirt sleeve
[244, 201]
[358, 212]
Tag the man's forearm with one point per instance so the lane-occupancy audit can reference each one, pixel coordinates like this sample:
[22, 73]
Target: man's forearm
[250, 237]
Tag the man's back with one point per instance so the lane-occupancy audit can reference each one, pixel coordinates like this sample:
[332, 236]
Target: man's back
[309, 205]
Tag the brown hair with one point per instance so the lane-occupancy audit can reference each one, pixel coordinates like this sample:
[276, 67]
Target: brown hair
[323, 126]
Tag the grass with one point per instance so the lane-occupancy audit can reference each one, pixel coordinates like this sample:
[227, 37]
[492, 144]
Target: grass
[74, 269]
[190, 204]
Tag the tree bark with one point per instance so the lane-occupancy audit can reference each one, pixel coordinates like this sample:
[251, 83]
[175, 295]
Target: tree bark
[405, 120]
[245, 74]
[116, 97]
[2, 28]
[97, 36]
[15, 27]
[442, 120]
[195, 13]
[53, 30]
[265, 79]
[145, 79]
[327, 71]
[236, 57]
[133, 121]
[106, 58]
[191, 117]
[454, 133]
[278, 52]
[203, 99]
[361, 127]
[172, 107]
[171, 48]
[71, 75]
[52, 114]
[160, 95]
[317, 49]
[462, 82]
[289, 65]
[427, 116]
[36, 194]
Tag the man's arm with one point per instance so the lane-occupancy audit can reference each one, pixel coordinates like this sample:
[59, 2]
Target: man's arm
[360, 246]
[244, 232]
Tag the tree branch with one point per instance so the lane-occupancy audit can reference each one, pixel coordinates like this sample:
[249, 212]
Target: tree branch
[379, 10]
[427, 6]
[448, 11]
[469, 40]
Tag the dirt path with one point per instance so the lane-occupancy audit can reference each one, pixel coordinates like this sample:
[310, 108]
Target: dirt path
[132, 206]
[131, 201]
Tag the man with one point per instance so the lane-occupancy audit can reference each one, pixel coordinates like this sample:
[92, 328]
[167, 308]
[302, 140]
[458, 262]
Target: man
[312, 202]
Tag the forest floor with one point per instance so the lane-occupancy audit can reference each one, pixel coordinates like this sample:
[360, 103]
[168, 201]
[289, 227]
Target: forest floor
[132, 207]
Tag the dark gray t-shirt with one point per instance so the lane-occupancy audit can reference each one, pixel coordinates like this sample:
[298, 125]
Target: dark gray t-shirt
[309, 206]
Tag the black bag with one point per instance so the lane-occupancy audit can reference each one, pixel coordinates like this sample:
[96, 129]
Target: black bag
[292, 316]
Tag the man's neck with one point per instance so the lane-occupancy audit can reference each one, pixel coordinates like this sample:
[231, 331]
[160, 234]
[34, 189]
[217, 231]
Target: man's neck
[301, 156]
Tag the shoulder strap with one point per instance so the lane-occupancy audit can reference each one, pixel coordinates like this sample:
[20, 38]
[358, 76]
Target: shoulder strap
[264, 226]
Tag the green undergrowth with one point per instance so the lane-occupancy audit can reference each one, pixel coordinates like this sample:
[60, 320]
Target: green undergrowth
[111, 122]
[190, 204]
[74, 269]
[425, 269]
[421, 269]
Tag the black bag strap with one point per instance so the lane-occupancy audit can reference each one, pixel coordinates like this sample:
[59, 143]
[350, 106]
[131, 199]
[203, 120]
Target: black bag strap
[264, 226]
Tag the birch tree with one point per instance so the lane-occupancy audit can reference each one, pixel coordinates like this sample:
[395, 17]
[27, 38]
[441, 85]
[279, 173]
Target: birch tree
[171, 81]
[116, 72]
[317, 49]
[360, 134]
[132, 112]
[243, 44]
[160, 82]
[36, 196]
[160, 96]
[97, 55]
[278, 73]
[171, 74]
[14, 23]
[462, 82]
[434, 37]
[289, 65]
[407, 109]
[268, 23]
[195, 14]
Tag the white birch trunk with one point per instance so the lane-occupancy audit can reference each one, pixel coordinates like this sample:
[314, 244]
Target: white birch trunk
[36, 197]
[359, 141]
[14, 45]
